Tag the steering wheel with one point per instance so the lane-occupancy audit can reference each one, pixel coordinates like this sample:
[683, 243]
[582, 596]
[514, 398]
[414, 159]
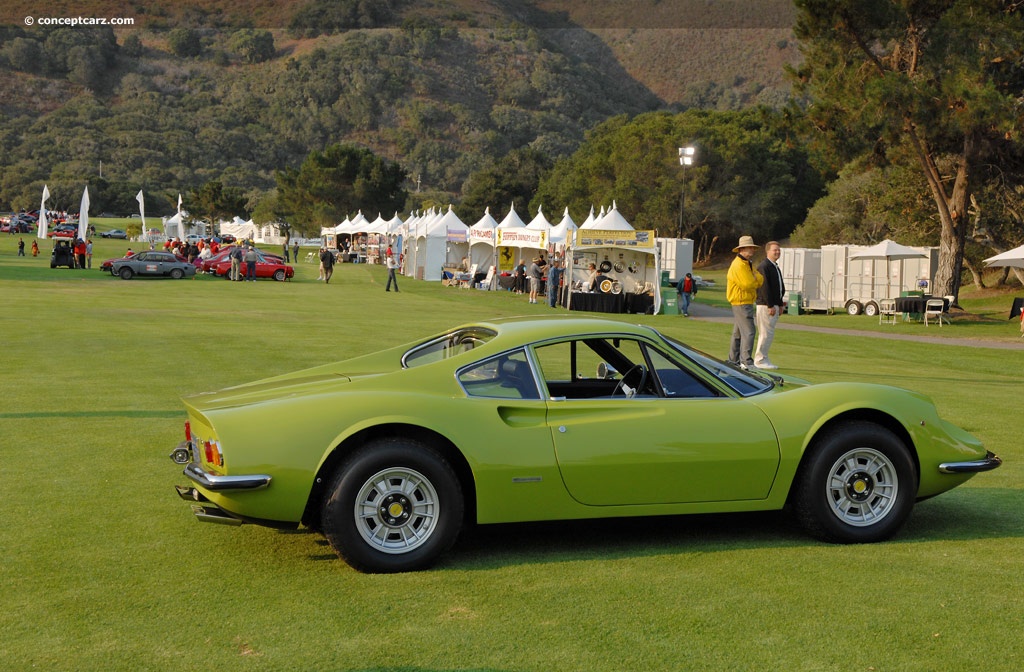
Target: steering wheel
[636, 372]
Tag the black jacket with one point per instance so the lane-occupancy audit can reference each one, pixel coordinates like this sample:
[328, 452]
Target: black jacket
[770, 293]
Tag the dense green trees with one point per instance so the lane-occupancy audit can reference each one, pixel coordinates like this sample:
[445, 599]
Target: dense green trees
[938, 81]
[748, 177]
[337, 182]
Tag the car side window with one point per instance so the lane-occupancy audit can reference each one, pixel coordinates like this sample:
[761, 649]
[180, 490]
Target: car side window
[507, 376]
[677, 382]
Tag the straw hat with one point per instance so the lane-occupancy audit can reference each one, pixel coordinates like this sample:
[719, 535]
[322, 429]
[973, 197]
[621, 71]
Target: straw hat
[745, 241]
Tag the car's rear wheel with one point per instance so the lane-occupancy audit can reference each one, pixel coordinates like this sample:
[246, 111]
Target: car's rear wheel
[177, 273]
[394, 506]
[857, 484]
[279, 275]
[126, 273]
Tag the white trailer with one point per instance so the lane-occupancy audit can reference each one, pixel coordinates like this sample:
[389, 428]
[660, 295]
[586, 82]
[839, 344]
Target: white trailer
[829, 280]
[676, 257]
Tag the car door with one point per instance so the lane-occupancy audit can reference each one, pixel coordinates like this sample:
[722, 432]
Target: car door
[678, 441]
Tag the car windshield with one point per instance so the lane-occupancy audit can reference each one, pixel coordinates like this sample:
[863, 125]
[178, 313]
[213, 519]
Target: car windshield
[745, 382]
[449, 345]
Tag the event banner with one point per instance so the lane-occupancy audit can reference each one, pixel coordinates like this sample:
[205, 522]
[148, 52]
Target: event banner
[481, 236]
[599, 238]
[457, 235]
[519, 237]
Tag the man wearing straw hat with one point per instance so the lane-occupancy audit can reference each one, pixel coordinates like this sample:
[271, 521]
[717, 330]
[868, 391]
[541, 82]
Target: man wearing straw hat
[741, 287]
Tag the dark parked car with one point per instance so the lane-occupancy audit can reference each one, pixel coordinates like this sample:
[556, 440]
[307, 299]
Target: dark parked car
[63, 254]
[152, 263]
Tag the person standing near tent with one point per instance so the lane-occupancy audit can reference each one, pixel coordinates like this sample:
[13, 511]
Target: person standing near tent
[88, 253]
[536, 273]
[687, 289]
[236, 263]
[327, 262]
[392, 267]
[295, 252]
[555, 272]
[250, 264]
[769, 304]
[520, 277]
[742, 283]
[287, 257]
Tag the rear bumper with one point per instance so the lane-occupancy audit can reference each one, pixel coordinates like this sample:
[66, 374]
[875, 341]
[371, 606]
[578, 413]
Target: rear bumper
[990, 462]
[219, 483]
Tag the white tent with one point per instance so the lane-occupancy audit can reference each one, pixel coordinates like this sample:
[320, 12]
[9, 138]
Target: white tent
[629, 258]
[562, 232]
[611, 221]
[440, 242]
[511, 234]
[177, 226]
[481, 241]
[239, 228]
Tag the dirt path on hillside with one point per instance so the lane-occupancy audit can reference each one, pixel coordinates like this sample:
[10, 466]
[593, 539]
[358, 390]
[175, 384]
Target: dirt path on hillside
[712, 314]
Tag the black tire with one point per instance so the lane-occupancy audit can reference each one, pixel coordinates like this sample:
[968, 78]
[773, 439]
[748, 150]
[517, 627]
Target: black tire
[177, 273]
[871, 309]
[395, 506]
[856, 484]
[853, 308]
[279, 275]
[126, 273]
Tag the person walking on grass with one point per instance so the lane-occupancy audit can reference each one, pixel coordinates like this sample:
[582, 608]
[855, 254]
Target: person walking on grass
[392, 268]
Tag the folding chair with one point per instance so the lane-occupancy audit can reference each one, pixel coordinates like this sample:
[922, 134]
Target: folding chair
[934, 308]
[887, 311]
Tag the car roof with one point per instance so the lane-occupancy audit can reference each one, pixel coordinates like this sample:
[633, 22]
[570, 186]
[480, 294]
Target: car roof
[557, 326]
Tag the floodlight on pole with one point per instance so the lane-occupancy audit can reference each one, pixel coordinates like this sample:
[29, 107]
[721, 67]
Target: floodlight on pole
[687, 156]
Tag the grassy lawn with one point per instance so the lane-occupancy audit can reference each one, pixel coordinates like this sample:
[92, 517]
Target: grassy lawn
[103, 567]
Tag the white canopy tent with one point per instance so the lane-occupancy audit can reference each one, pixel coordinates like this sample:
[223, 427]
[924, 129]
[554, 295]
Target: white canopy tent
[239, 228]
[562, 233]
[442, 241]
[515, 241]
[481, 241]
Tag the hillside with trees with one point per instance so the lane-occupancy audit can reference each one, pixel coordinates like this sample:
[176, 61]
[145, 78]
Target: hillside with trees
[235, 92]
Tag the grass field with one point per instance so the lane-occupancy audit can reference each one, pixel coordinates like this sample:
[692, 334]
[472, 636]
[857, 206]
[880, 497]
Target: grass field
[104, 568]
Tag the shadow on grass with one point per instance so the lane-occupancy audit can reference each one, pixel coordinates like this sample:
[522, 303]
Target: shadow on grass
[981, 514]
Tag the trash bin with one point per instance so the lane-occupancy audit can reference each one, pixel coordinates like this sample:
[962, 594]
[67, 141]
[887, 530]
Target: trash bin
[795, 300]
[669, 303]
[664, 279]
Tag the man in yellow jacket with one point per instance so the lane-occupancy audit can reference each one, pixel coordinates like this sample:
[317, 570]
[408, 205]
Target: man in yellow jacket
[741, 287]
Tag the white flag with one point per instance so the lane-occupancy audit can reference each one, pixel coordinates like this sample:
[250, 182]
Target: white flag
[41, 232]
[179, 203]
[142, 211]
[83, 215]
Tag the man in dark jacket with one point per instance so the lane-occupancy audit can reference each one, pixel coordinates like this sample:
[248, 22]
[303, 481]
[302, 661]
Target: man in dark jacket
[769, 304]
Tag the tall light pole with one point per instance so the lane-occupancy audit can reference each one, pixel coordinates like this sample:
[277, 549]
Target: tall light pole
[687, 155]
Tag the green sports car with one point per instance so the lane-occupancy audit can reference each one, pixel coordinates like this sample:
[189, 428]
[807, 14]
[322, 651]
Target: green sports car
[391, 454]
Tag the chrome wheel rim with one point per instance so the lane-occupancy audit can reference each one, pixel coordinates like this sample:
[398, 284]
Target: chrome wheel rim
[396, 510]
[862, 487]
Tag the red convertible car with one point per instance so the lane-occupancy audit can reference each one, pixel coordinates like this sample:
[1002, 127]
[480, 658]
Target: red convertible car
[267, 266]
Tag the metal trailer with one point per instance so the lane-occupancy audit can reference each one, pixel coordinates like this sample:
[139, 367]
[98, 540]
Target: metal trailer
[828, 280]
[676, 257]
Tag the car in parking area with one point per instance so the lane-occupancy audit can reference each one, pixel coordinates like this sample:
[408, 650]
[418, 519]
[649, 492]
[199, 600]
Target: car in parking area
[152, 263]
[115, 233]
[391, 454]
[267, 266]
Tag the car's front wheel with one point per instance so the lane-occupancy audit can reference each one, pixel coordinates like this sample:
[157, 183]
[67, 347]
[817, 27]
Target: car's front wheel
[279, 275]
[857, 484]
[177, 273]
[394, 506]
[126, 273]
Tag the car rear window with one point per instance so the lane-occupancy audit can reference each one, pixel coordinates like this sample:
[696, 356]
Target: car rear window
[448, 345]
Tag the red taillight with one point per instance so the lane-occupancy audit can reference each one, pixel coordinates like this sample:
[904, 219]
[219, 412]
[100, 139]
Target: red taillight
[213, 455]
[188, 431]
